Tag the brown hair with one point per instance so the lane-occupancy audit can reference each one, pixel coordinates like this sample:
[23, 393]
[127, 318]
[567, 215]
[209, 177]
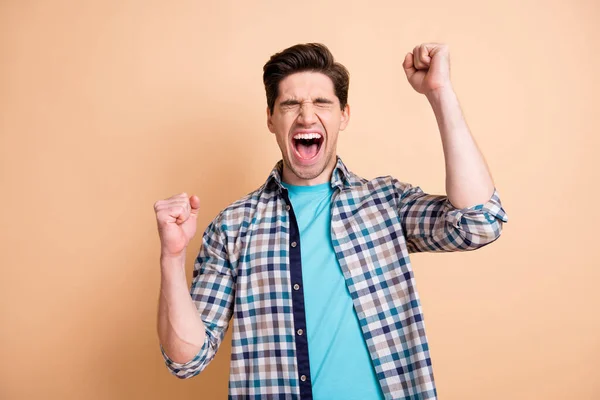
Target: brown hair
[304, 57]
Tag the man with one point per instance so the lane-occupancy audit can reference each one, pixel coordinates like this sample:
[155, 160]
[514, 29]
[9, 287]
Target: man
[315, 263]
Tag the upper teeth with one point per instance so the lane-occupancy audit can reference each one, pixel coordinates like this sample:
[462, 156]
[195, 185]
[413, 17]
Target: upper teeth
[307, 136]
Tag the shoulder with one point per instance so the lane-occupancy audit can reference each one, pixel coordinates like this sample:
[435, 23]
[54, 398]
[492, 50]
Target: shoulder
[385, 185]
[240, 212]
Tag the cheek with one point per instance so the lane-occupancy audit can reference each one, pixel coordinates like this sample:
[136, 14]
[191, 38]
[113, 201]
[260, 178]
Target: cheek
[329, 116]
[281, 136]
[330, 123]
[280, 139]
[283, 124]
[279, 126]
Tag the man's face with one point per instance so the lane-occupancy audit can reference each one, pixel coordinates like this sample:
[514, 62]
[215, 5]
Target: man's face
[306, 120]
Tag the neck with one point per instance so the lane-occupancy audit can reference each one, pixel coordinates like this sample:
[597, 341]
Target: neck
[292, 179]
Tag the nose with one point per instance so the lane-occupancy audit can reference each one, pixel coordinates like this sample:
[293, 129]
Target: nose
[307, 114]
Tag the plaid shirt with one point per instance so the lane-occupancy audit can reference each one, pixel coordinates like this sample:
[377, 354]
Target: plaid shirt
[249, 265]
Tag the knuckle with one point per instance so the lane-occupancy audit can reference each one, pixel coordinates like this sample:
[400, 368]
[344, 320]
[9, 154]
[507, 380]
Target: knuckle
[160, 219]
[180, 210]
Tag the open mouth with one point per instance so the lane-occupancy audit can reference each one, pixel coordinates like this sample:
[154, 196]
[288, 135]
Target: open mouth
[307, 145]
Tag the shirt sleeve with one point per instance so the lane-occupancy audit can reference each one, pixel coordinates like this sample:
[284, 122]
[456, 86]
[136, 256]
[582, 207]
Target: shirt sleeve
[212, 291]
[431, 223]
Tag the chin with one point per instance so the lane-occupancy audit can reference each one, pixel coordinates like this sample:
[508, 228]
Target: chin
[308, 172]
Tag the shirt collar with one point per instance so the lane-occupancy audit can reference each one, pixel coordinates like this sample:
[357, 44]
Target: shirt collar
[341, 177]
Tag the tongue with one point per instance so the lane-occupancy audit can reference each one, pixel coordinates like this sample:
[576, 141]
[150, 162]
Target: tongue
[307, 151]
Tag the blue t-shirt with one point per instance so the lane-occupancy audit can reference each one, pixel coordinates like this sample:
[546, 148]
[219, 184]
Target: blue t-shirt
[340, 365]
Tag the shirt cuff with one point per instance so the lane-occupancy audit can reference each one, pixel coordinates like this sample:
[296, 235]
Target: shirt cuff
[177, 365]
[489, 211]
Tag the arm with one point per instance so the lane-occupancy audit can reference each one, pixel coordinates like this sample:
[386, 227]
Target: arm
[192, 323]
[180, 329]
[468, 180]
[431, 223]
[471, 214]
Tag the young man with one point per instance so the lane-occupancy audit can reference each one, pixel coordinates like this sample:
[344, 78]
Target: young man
[314, 265]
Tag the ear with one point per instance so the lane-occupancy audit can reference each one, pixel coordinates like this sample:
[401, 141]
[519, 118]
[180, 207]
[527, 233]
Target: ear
[269, 121]
[345, 117]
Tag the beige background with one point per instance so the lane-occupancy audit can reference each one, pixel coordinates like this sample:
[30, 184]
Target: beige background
[108, 106]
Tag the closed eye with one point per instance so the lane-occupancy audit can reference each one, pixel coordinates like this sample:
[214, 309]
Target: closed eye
[321, 100]
[292, 104]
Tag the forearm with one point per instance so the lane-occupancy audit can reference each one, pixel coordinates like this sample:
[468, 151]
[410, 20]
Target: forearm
[468, 180]
[180, 329]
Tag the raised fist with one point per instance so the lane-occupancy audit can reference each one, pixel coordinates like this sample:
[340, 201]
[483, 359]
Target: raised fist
[176, 218]
[427, 68]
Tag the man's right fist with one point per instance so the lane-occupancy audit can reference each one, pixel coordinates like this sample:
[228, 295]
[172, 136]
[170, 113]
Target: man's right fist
[176, 218]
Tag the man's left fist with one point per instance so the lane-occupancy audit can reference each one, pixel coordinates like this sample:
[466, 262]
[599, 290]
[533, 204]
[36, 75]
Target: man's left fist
[428, 67]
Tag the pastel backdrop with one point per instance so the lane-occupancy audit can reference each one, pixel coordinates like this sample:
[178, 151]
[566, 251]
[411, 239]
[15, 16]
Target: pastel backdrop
[108, 106]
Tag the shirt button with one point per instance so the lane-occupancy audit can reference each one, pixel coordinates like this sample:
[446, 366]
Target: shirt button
[287, 208]
[303, 378]
[300, 332]
[293, 244]
[296, 286]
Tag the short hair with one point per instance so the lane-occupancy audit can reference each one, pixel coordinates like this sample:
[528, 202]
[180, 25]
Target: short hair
[314, 57]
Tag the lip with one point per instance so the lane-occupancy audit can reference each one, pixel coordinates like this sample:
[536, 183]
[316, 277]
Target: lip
[306, 131]
[299, 159]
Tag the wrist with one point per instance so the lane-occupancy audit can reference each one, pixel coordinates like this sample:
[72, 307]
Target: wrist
[172, 261]
[437, 95]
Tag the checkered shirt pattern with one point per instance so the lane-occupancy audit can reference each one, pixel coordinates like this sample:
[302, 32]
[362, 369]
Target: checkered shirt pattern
[243, 267]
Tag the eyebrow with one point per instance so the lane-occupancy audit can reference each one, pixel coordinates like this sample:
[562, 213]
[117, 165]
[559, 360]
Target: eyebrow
[292, 102]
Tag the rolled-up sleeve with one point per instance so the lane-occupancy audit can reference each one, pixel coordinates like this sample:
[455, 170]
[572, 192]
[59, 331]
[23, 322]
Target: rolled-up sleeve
[212, 291]
[431, 223]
